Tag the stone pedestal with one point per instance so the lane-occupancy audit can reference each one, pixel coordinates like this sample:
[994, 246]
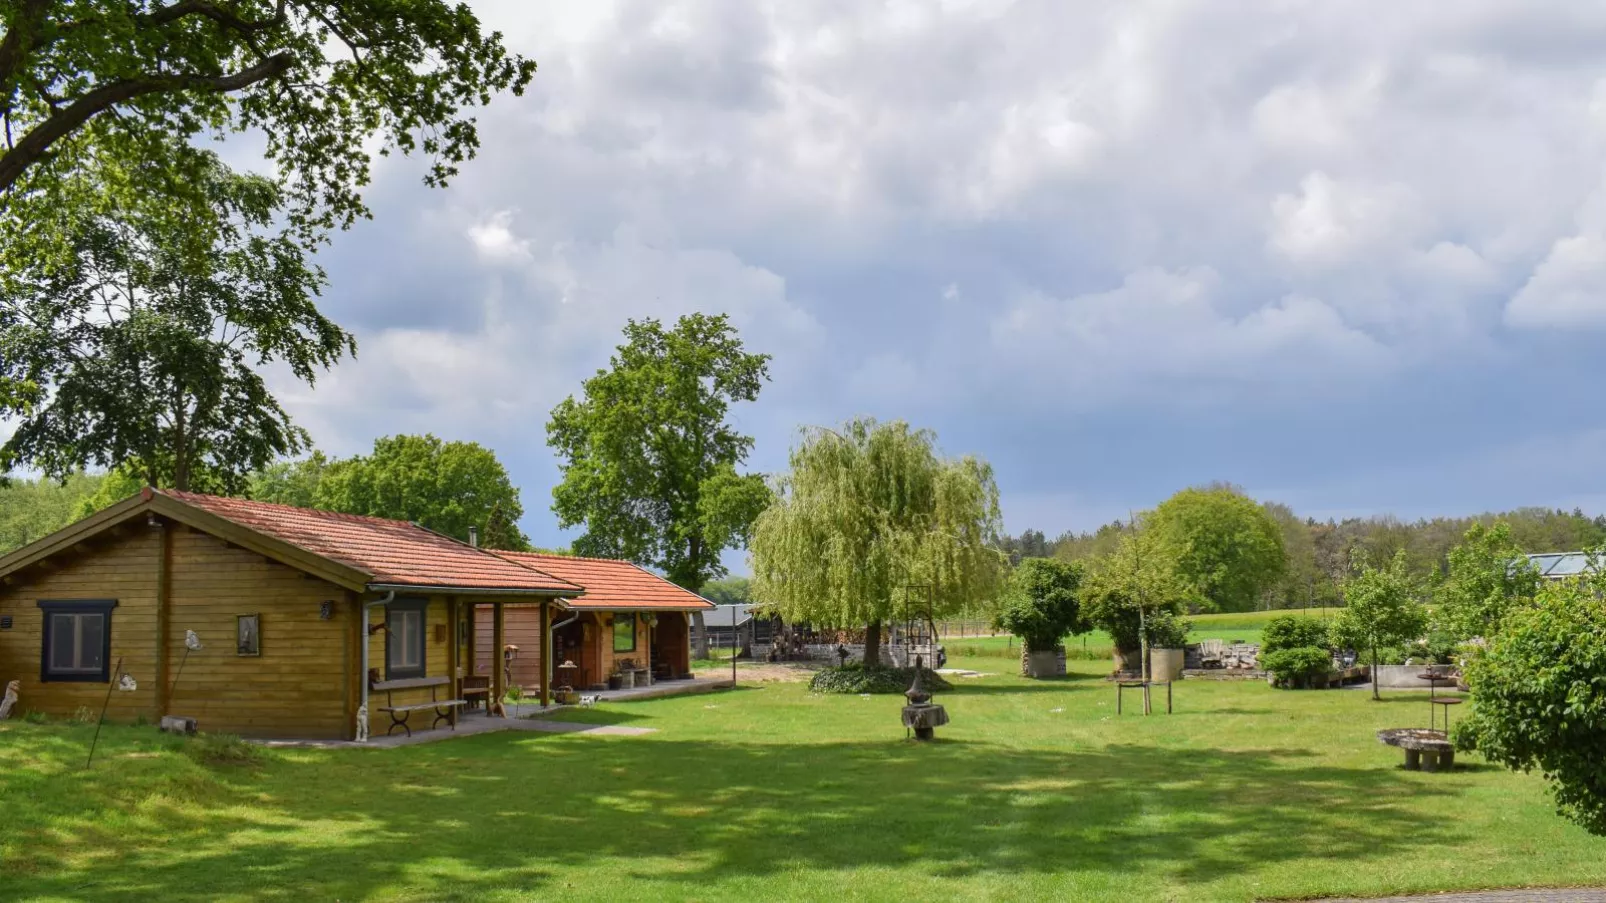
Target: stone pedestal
[924, 719]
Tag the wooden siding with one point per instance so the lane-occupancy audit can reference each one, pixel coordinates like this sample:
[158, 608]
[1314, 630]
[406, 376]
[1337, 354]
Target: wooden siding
[437, 659]
[297, 687]
[521, 627]
[119, 566]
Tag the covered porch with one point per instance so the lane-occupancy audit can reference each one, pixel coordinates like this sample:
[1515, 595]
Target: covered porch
[549, 649]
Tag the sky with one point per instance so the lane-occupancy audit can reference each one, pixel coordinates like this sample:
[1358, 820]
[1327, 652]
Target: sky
[1349, 256]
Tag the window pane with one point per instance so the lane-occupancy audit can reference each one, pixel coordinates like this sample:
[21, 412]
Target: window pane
[91, 641]
[413, 649]
[63, 642]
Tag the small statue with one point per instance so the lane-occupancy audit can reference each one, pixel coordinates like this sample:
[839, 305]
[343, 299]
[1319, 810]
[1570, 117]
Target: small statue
[916, 694]
[362, 724]
[10, 700]
[842, 653]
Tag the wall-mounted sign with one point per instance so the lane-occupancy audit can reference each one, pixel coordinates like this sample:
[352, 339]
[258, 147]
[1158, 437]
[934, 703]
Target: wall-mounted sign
[5, 622]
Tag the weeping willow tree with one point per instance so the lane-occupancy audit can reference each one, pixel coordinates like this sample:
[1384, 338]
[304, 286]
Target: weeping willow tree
[865, 514]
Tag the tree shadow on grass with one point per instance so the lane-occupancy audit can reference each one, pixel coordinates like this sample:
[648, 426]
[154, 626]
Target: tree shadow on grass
[506, 812]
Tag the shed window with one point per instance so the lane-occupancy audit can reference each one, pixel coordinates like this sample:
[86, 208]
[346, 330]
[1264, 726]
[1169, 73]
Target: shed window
[624, 633]
[404, 639]
[77, 640]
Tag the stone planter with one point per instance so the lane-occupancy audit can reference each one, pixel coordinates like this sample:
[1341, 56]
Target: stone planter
[1049, 663]
[1132, 661]
[1165, 664]
[627, 680]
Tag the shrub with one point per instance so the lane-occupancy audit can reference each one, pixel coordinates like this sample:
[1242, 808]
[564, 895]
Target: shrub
[1041, 604]
[223, 749]
[1293, 632]
[1297, 666]
[1167, 630]
[854, 677]
[1539, 700]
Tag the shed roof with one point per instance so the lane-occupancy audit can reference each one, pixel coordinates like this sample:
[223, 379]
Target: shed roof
[614, 585]
[724, 616]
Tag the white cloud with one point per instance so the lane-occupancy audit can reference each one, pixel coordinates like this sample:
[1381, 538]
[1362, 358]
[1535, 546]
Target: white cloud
[1567, 289]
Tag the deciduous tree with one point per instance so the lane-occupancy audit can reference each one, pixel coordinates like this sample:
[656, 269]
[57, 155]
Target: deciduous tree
[1041, 604]
[1222, 541]
[445, 486]
[1487, 577]
[649, 458]
[1381, 609]
[1539, 698]
[872, 518]
[141, 347]
[322, 83]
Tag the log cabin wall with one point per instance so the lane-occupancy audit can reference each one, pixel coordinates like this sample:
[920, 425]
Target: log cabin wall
[298, 685]
[439, 657]
[119, 566]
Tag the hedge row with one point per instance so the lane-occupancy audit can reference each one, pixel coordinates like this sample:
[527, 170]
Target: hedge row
[855, 678]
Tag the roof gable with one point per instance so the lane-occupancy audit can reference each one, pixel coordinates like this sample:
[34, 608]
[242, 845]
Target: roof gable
[615, 585]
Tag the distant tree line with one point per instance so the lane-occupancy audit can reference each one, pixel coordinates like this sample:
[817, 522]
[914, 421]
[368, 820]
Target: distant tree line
[1319, 554]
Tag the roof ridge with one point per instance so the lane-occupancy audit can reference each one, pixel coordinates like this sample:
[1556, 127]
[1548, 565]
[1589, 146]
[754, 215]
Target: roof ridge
[582, 558]
[181, 495]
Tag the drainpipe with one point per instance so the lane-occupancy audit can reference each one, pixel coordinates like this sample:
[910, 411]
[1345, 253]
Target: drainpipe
[552, 643]
[388, 598]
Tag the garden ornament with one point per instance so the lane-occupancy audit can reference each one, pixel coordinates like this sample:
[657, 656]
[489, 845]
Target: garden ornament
[10, 700]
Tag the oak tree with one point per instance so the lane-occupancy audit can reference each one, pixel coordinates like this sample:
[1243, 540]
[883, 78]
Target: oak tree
[649, 458]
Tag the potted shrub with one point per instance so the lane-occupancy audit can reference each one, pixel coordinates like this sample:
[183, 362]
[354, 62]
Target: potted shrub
[1040, 606]
[1168, 635]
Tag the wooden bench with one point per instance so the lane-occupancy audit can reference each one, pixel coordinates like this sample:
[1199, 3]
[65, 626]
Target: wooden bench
[445, 709]
[475, 690]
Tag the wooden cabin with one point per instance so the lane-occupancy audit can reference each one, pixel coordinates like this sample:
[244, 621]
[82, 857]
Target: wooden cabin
[629, 618]
[302, 616]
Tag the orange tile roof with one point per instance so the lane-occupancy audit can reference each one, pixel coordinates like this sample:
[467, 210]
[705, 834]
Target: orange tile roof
[394, 552]
[612, 584]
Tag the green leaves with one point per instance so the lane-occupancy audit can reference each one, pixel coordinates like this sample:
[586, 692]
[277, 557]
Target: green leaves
[445, 486]
[1040, 605]
[146, 333]
[319, 80]
[649, 461]
[1488, 576]
[1540, 690]
[1223, 542]
[867, 519]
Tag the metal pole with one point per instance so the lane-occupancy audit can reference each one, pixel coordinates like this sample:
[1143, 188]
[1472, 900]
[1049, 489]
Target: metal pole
[112, 685]
[733, 649]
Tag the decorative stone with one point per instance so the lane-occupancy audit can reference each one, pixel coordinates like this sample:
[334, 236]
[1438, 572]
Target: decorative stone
[10, 700]
[1425, 750]
[178, 724]
[362, 724]
[920, 715]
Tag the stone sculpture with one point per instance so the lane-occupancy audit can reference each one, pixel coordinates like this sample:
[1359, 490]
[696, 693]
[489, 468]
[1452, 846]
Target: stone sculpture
[362, 724]
[921, 715]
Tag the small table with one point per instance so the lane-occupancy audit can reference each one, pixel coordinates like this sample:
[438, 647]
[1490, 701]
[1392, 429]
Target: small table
[1121, 685]
[1433, 678]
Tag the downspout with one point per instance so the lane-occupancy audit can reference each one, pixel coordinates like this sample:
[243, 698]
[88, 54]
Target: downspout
[388, 598]
[552, 643]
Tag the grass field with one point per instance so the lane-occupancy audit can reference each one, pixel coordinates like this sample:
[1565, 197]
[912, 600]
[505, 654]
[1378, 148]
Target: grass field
[1240, 626]
[1035, 791]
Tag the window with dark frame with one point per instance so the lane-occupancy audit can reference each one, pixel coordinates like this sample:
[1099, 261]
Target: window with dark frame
[77, 640]
[624, 633]
[404, 638]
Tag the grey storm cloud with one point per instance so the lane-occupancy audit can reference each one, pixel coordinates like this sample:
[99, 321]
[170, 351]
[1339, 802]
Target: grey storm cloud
[1114, 248]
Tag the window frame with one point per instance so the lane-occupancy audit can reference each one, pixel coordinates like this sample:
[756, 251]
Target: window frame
[633, 641]
[407, 606]
[49, 609]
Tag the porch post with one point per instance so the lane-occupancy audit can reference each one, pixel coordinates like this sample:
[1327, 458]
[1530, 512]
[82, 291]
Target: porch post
[498, 690]
[546, 653]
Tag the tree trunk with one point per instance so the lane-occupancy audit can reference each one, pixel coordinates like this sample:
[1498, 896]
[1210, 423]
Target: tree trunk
[872, 644]
[1375, 694]
[699, 636]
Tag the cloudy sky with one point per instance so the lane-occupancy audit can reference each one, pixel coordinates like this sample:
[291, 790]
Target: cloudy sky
[1351, 256]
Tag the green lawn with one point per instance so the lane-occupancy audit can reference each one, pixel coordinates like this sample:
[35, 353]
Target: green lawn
[1035, 791]
[1233, 626]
